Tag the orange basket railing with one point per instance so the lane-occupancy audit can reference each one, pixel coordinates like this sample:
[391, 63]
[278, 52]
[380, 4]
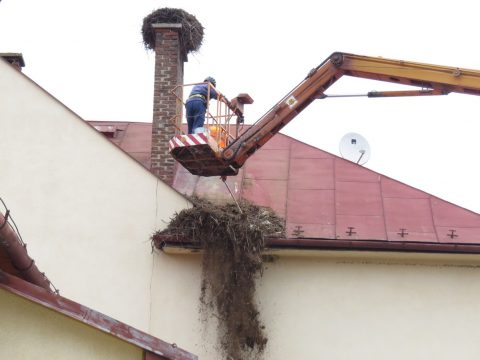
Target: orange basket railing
[219, 117]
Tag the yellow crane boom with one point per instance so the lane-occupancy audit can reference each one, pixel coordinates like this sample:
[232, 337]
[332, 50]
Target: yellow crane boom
[430, 79]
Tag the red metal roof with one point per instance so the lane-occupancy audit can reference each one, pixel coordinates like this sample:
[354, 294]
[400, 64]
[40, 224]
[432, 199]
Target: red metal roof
[323, 196]
[133, 138]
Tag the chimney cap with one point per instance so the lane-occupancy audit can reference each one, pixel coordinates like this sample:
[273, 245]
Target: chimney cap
[167, 26]
[14, 58]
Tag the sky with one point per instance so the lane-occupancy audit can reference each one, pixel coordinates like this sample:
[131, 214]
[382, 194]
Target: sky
[90, 55]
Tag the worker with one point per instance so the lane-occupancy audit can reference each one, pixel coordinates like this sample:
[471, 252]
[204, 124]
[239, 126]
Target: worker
[196, 104]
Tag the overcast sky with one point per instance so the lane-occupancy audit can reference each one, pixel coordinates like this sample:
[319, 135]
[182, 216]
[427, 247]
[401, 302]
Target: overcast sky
[89, 54]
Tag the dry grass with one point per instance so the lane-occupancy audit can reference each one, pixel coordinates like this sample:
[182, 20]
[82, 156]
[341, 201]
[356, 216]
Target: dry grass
[191, 33]
[233, 243]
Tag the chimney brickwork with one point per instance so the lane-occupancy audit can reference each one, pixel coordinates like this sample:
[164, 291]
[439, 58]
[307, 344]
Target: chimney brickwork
[168, 73]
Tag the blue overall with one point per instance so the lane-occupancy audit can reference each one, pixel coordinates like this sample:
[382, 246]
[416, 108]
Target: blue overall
[196, 106]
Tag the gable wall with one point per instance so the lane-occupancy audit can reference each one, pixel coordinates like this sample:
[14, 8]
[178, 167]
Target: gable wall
[85, 208]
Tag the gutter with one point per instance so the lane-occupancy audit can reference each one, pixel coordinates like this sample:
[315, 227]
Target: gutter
[372, 245]
[164, 242]
[17, 252]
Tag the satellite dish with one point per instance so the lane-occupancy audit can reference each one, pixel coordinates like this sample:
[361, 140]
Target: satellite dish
[355, 148]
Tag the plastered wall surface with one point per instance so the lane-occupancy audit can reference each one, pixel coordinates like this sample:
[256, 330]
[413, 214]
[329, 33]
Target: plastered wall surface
[85, 209]
[30, 331]
[340, 306]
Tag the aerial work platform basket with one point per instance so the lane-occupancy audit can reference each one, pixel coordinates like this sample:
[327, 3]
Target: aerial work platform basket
[201, 153]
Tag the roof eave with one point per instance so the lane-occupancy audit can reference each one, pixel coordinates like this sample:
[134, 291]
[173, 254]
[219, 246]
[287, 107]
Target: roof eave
[93, 318]
[17, 252]
[170, 241]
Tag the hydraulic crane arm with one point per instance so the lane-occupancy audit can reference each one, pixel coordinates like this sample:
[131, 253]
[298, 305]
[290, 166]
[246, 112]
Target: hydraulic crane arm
[432, 79]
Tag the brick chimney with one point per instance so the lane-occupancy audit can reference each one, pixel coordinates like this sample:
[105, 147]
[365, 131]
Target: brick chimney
[15, 59]
[169, 62]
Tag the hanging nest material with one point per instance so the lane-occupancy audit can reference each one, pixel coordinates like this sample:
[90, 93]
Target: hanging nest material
[232, 245]
[191, 33]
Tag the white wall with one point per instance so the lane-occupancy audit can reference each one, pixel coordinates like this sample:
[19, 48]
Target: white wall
[31, 331]
[84, 207]
[341, 305]
[372, 308]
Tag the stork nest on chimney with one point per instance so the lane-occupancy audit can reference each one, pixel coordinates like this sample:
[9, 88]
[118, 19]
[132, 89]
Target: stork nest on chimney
[191, 32]
[232, 243]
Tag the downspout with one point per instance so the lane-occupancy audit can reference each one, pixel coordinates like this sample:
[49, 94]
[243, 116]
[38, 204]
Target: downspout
[17, 252]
